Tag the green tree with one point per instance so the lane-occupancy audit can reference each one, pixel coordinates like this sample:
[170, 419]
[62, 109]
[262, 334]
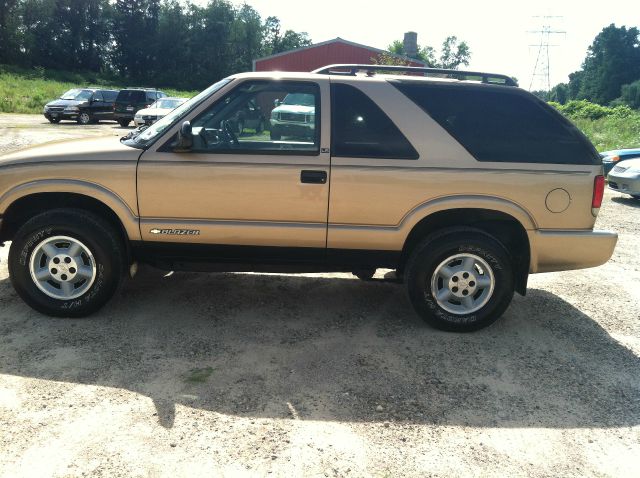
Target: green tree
[613, 60]
[276, 42]
[453, 53]
[9, 33]
[631, 94]
[559, 93]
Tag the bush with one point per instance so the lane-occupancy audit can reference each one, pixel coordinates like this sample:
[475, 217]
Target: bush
[583, 109]
[606, 127]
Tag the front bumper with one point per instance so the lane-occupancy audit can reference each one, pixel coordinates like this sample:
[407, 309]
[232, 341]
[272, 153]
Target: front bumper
[558, 250]
[292, 128]
[63, 115]
[624, 182]
[145, 120]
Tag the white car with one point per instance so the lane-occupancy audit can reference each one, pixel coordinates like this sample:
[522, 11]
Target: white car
[157, 110]
[295, 116]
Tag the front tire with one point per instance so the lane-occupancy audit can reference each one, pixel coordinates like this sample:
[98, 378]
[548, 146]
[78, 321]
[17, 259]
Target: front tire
[124, 123]
[54, 120]
[460, 280]
[66, 262]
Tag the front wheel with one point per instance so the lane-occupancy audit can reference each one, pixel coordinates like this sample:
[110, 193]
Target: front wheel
[124, 123]
[54, 120]
[66, 262]
[460, 280]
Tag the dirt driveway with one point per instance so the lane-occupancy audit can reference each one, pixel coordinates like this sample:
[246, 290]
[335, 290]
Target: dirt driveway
[322, 375]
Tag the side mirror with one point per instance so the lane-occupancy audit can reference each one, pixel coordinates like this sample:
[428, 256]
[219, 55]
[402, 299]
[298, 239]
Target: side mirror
[185, 138]
[277, 103]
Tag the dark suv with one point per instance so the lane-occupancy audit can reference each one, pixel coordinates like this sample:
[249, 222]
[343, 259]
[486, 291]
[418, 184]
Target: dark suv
[84, 105]
[130, 100]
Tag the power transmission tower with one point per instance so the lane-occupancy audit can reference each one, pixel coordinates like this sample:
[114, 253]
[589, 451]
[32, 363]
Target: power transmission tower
[542, 67]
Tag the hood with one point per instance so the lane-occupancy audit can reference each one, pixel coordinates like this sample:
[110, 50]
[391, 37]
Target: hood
[60, 102]
[630, 163]
[294, 109]
[154, 111]
[87, 149]
[618, 152]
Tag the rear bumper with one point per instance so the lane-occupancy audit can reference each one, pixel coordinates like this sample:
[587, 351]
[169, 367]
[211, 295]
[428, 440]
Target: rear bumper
[121, 115]
[566, 250]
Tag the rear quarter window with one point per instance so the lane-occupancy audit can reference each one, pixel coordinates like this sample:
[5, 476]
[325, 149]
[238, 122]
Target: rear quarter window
[360, 129]
[502, 126]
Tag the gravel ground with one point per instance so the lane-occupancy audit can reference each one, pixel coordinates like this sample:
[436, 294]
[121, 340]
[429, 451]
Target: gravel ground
[322, 374]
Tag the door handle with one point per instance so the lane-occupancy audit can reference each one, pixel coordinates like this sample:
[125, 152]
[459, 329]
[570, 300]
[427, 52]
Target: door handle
[313, 177]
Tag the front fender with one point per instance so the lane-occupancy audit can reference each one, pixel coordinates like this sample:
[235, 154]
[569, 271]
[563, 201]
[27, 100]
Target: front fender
[109, 198]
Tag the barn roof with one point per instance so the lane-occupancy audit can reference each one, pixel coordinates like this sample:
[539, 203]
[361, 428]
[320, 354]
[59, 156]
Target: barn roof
[339, 40]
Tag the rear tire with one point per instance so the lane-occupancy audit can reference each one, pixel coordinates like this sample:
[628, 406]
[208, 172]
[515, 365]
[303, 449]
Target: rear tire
[124, 123]
[91, 275]
[84, 118]
[460, 279]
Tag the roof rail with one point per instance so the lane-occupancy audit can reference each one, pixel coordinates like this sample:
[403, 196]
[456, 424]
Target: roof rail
[493, 78]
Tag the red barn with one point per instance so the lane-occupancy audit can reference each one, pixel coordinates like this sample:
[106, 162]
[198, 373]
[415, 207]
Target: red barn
[329, 52]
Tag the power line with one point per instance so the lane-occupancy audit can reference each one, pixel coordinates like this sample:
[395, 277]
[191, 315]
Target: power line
[542, 67]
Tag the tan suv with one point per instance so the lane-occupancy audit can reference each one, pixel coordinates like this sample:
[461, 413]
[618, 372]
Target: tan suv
[462, 183]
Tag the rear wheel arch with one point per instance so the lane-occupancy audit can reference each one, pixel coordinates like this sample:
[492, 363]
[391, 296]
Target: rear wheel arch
[506, 229]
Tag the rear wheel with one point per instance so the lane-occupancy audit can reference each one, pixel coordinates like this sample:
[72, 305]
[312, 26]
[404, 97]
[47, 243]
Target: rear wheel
[84, 118]
[124, 123]
[460, 280]
[66, 262]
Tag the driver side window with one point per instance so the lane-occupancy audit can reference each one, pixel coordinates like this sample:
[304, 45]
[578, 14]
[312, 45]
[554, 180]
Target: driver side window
[261, 116]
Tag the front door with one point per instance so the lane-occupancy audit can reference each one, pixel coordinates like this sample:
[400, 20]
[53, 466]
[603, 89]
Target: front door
[265, 185]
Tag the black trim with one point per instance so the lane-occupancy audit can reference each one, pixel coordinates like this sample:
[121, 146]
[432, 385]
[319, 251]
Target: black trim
[227, 258]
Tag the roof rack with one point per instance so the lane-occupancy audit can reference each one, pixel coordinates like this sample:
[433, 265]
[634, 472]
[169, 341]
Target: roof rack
[493, 78]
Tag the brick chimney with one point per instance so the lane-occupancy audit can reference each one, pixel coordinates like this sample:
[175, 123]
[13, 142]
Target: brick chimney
[410, 44]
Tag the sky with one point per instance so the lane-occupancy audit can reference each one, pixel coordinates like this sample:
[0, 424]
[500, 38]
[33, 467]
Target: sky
[498, 32]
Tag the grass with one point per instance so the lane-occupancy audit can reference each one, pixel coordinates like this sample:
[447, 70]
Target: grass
[611, 133]
[27, 91]
[198, 375]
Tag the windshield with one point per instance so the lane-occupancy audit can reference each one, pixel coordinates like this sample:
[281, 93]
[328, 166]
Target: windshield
[146, 136]
[77, 94]
[302, 99]
[165, 104]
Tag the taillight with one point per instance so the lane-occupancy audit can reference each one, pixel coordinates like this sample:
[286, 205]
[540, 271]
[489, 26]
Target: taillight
[598, 192]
